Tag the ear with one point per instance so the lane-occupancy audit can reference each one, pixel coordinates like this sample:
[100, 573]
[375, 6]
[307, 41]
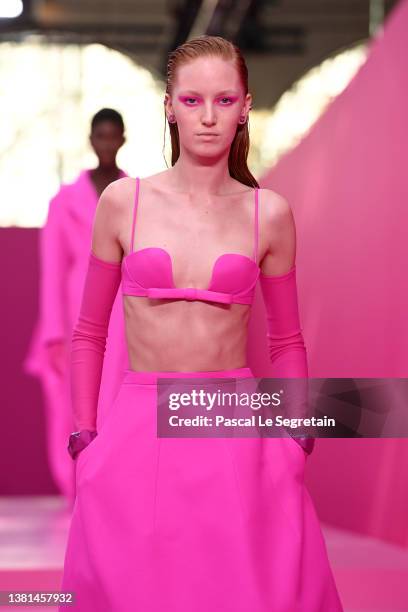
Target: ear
[247, 103]
[168, 104]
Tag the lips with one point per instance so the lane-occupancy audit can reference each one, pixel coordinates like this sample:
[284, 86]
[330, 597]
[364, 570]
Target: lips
[207, 134]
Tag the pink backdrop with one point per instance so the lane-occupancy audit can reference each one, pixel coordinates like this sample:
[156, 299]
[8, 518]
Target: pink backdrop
[23, 451]
[348, 188]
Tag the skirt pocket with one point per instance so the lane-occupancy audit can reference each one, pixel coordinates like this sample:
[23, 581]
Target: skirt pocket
[298, 448]
[82, 458]
[104, 431]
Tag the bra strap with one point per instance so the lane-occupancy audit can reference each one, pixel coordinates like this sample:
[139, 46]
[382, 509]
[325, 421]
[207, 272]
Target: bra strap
[256, 224]
[134, 214]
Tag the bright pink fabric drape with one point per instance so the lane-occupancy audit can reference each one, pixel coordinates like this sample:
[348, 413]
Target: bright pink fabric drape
[65, 243]
[347, 184]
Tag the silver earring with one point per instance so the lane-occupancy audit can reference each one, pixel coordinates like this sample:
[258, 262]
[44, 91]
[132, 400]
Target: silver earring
[242, 119]
[171, 119]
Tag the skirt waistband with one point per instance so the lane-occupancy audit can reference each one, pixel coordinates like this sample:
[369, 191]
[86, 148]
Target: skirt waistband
[150, 378]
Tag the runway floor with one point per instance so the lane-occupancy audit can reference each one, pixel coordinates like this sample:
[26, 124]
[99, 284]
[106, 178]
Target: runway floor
[371, 575]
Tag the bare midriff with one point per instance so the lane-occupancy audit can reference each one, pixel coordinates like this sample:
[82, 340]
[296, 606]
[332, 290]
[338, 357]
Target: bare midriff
[179, 335]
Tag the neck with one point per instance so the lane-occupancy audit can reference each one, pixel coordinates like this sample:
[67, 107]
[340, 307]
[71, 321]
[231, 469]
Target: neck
[106, 171]
[205, 175]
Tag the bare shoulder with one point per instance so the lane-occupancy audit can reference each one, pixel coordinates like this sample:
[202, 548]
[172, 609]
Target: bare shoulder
[108, 223]
[275, 210]
[115, 197]
[277, 233]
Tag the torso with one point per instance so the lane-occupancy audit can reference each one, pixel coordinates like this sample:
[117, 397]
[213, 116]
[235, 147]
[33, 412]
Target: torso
[180, 335]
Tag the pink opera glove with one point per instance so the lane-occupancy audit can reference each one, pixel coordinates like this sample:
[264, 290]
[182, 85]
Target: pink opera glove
[286, 345]
[89, 339]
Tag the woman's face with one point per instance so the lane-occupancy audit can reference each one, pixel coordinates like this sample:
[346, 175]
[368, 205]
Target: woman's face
[207, 101]
[106, 139]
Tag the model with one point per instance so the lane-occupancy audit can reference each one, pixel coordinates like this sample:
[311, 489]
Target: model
[64, 244]
[191, 524]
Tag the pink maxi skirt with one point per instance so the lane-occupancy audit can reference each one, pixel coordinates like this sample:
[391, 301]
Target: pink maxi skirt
[192, 524]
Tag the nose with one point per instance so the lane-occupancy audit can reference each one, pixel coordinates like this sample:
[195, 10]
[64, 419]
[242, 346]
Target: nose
[209, 114]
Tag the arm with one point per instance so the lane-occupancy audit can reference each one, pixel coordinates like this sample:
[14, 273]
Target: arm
[54, 263]
[286, 345]
[90, 332]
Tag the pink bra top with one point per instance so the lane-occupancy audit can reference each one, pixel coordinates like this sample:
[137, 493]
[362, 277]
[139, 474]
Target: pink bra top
[149, 273]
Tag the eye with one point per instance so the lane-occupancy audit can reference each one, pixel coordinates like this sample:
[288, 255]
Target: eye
[229, 101]
[187, 101]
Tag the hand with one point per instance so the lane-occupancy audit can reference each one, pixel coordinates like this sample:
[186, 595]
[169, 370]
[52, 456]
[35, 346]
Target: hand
[57, 355]
[78, 440]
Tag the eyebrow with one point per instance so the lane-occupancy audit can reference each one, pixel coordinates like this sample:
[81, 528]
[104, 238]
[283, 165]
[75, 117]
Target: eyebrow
[225, 91]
